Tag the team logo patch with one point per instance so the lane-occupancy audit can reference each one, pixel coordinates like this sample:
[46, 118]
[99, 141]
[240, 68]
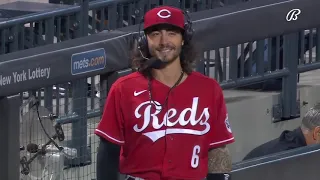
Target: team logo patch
[228, 126]
[164, 13]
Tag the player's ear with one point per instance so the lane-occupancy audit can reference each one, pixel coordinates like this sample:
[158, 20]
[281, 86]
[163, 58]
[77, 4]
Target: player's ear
[316, 133]
[317, 130]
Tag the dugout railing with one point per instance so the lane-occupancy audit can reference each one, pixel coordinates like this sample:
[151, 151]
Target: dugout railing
[215, 29]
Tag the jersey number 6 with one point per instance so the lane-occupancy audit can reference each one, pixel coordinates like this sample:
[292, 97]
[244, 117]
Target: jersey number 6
[195, 156]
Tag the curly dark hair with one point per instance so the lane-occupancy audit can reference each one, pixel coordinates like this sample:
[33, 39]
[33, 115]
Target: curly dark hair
[188, 58]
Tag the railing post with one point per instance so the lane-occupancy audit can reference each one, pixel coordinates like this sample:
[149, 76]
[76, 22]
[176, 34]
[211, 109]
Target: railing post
[233, 63]
[79, 100]
[79, 128]
[49, 39]
[289, 90]
[200, 67]
[260, 63]
[80, 25]
[175, 3]
[9, 137]
[112, 17]
[139, 11]
[85, 17]
[318, 47]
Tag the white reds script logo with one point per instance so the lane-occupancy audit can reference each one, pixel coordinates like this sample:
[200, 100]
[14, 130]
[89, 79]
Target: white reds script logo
[172, 119]
[164, 13]
[293, 14]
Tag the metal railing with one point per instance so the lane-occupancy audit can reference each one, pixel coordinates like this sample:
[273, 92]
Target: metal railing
[277, 60]
[60, 24]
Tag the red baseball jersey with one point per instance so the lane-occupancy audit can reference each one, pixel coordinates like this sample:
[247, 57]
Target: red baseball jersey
[168, 143]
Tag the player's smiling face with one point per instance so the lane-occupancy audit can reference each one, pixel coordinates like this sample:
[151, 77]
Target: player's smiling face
[165, 42]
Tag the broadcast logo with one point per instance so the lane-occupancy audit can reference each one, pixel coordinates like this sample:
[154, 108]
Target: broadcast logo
[293, 14]
[88, 61]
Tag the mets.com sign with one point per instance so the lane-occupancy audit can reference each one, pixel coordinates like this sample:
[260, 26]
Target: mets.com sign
[88, 61]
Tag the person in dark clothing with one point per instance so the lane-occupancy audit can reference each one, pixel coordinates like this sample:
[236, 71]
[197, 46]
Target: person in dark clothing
[307, 134]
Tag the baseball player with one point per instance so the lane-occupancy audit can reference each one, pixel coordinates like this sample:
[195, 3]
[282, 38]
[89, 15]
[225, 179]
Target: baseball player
[164, 121]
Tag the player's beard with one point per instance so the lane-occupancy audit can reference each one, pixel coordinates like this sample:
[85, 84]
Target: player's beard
[167, 53]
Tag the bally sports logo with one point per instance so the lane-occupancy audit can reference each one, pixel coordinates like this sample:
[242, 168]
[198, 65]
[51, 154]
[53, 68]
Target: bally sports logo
[88, 61]
[172, 119]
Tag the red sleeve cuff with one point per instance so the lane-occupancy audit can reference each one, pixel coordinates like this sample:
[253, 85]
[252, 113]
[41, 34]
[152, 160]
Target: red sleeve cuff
[108, 137]
[221, 143]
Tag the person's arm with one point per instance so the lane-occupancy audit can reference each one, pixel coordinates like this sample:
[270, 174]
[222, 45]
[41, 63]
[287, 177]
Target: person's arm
[219, 159]
[219, 164]
[107, 160]
[111, 133]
